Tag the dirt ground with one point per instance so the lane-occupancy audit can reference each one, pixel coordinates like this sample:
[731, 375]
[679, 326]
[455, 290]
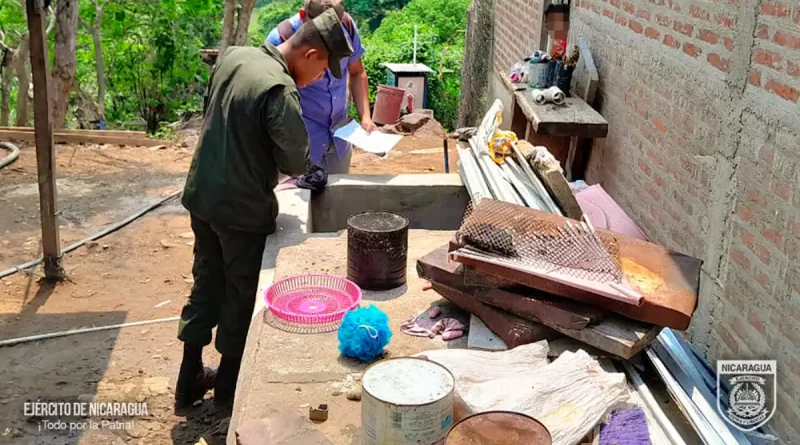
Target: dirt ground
[141, 272]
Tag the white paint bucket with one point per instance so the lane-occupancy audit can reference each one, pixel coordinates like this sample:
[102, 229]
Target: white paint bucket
[406, 401]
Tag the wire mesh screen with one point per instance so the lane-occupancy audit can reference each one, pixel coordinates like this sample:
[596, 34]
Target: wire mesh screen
[520, 234]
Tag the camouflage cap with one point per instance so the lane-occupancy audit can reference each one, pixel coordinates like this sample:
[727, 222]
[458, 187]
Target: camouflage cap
[333, 37]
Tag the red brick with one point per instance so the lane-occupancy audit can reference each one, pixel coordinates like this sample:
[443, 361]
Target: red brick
[782, 90]
[728, 42]
[659, 181]
[767, 58]
[684, 28]
[644, 167]
[762, 253]
[762, 32]
[776, 9]
[747, 238]
[608, 13]
[663, 20]
[726, 21]
[707, 35]
[745, 213]
[767, 154]
[692, 50]
[616, 3]
[729, 341]
[659, 125]
[796, 15]
[720, 63]
[643, 15]
[628, 7]
[652, 33]
[635, 26]
[754, 196]
[773, 236]
[740, 258]
[787, 39]
[754, 78]
[780, 189]
[620, 20]
[755, 321]
[793, 70]
[698, 12]
[671, 42]
[655, 195]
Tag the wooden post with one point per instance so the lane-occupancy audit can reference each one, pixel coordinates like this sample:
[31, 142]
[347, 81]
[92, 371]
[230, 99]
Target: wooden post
[43, 128]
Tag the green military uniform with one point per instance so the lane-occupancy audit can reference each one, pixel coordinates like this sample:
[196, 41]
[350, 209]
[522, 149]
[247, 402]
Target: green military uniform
[253, 129]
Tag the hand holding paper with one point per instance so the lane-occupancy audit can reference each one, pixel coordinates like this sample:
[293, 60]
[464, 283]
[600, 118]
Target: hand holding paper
[375, 142]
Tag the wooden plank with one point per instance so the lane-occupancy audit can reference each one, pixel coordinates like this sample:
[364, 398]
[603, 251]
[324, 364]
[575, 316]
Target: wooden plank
[614, 334]
[43, 136]
[513, 330]
[118, 133]
[585, 78]
[69, 138]
[556, 184]
[548, 310]
[574, 118]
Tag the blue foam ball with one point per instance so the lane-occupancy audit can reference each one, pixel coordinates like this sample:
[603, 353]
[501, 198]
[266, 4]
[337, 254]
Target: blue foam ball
[364, 333]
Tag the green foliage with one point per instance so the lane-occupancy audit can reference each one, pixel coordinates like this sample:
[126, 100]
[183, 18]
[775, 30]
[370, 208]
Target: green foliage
[270, 15]
[440, 46]
[370, 13]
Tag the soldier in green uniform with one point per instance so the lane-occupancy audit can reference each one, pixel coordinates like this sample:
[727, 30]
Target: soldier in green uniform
[252, 131]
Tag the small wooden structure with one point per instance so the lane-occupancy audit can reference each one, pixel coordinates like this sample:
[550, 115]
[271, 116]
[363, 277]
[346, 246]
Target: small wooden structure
[412, 77]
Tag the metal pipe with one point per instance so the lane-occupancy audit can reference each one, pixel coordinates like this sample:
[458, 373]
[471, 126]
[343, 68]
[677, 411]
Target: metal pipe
[523, 186]
[535, 181]
[652, 406]
[707, 433]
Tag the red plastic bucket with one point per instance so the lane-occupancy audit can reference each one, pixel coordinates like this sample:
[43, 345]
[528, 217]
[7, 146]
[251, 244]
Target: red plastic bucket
[388, 103]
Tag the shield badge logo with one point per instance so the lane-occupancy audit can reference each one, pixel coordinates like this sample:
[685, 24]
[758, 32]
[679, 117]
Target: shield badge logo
[746, 392]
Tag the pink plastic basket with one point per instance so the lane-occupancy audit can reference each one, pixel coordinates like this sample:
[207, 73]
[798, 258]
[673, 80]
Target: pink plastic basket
[312, 299]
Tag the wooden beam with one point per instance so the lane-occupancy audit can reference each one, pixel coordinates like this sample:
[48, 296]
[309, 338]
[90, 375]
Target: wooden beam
[119, 133]
[72, 138]
[45, 159]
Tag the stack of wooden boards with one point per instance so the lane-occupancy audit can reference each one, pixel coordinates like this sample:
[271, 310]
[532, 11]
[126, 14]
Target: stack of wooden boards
[521, 308]
[74, 136]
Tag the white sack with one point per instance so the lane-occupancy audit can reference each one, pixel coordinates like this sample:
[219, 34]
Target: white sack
[569, 396]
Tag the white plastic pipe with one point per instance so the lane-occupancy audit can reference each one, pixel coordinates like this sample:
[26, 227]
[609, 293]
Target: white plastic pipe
[16, 341]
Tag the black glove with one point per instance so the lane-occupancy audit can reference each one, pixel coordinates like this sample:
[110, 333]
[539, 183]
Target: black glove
[315, 179]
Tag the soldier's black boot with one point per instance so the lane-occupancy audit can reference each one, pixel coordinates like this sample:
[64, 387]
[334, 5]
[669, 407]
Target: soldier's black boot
[194, 380]
[225, 386]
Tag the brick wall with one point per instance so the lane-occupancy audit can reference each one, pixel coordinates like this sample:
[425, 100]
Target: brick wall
[518, 29]
[703, 151]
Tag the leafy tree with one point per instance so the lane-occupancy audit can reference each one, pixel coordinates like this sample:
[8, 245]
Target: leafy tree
[440, 45]
[270, 15]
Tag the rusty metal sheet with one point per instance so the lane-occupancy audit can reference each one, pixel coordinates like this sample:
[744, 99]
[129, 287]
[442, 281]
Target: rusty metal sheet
[669, 281]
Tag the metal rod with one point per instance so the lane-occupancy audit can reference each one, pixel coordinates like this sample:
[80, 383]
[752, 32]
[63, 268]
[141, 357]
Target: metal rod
[652, 406]
[16, 341]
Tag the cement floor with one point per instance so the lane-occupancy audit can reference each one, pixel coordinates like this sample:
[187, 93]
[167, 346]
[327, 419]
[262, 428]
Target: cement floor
[288, 372]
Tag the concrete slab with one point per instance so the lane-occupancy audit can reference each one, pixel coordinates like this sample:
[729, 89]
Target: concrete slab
[282, 371]
[432, 202]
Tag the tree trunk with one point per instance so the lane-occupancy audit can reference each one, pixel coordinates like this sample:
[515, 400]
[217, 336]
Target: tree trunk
[476, 66]
[228, 26]
[5, 88]
[99, 61]
[245, 12]
[23, 81]
[64, 62]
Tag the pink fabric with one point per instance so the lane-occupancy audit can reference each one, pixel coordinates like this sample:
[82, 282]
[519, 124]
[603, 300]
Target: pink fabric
[606, 214]
[287, 184]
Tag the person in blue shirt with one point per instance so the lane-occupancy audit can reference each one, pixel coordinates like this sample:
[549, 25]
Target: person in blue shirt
[324, 102]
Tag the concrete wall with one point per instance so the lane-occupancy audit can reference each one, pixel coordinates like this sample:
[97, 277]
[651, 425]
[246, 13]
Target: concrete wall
[430, 202]
[703, 151]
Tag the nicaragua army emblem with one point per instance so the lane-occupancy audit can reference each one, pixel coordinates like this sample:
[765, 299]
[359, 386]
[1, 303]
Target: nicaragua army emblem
[746, 392]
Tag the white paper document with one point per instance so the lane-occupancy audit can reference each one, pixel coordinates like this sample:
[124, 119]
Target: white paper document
[376, 142]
